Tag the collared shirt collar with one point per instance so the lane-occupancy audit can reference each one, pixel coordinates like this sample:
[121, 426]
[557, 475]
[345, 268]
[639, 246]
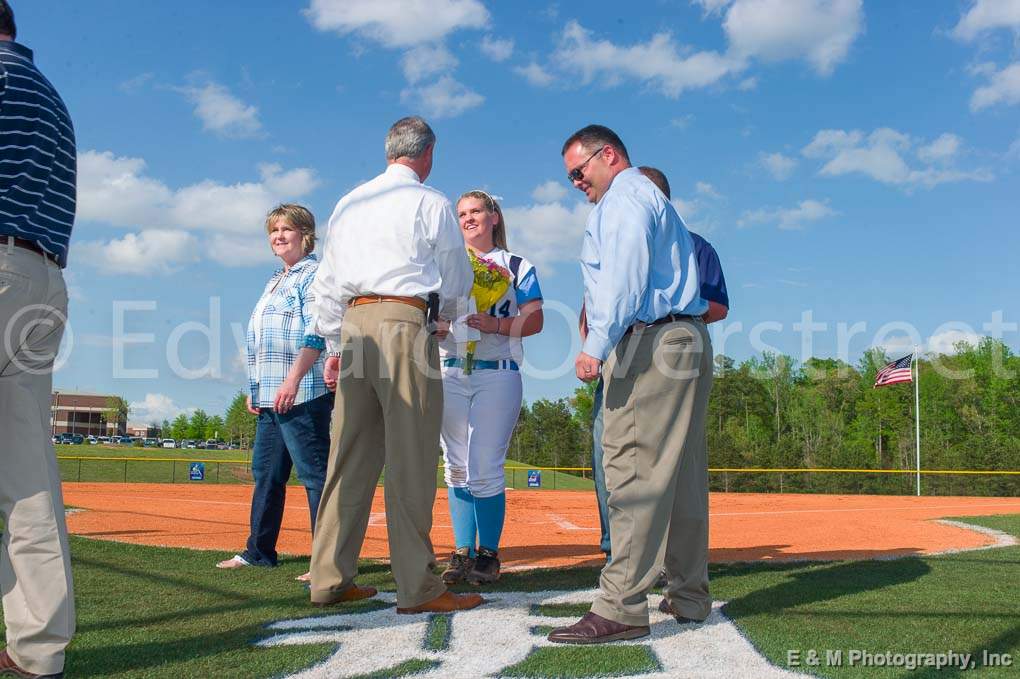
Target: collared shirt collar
[17, 48]
[629, 171]
[401, 169]
[298, 265]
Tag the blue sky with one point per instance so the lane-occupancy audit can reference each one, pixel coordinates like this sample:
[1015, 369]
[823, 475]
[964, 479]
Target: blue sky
[853, 161]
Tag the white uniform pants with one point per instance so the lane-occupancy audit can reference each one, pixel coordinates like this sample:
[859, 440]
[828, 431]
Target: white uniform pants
[35, 566]
[479, 414]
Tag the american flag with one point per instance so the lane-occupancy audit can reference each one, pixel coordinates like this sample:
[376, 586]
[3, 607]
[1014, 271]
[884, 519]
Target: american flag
[895, 372]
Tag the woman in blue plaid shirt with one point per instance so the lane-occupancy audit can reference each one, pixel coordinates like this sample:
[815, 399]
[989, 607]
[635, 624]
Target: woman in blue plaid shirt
[286, 389]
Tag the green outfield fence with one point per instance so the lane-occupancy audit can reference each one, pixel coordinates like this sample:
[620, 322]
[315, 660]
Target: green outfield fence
[1002, 483]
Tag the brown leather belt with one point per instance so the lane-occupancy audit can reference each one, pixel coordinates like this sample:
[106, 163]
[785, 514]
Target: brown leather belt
[668, 318]
[416, 302]
[30, 245]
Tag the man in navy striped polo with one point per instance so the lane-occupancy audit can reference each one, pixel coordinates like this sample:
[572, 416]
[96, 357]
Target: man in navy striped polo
[37, 199]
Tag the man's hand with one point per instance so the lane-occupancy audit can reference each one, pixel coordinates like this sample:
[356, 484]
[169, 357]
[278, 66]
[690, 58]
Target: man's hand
[247, 402]
[331, 371]
[587, 367]
[285, 396]
[442, 329]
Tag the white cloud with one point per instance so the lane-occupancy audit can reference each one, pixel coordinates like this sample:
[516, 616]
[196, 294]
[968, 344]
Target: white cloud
[156, 408]
[682, 122]
[945, 342]
[706, 189]
[788, 218]
[535, 74]
[118, 191]
[710, 7]
[549, 192]
[136, 83]
[660, 63]
[496, 49]
[940, 343]
[222, 113]
[550, 232]
[151, 252]
[747, 84]
[820, 31]
[424, 61]
[235, 250]
[778, 165]
[1014, 149]
[445, 98]
[397, 23]
[880, 156]
[988, 15]
[1003, 88]
[941, 150]
[685, 208]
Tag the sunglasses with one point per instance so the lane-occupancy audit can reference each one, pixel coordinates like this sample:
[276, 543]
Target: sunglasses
[577, 174]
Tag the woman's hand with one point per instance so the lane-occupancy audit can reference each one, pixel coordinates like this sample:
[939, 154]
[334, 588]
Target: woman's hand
[253, 411]
[484, 322]
[285, 396]
[331, 371]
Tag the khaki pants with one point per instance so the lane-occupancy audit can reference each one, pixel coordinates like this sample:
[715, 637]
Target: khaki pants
[657, 382]
[35, 566]
[388, 412]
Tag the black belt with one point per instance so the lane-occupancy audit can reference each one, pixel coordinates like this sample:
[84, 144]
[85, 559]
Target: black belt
[31, 245]
[668, 318]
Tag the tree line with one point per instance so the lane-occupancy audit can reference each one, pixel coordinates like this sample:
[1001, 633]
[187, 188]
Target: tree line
[771, 412]
[236, 425]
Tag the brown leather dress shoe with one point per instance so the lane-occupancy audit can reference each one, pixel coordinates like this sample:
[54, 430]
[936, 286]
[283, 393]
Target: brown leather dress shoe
[9, 668]
[594, 629]
[447, 602]
[352, 593]
[665, 607]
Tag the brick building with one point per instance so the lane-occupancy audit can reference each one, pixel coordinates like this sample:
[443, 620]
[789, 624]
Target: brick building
[86, 414]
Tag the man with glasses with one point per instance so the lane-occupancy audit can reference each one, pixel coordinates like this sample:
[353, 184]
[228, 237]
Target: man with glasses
[648, 342]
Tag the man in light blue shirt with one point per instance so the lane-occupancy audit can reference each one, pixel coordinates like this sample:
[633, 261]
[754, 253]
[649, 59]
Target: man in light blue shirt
[648, 342]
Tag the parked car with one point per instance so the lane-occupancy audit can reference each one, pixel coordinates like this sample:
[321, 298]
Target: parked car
[125, 440]
[77, 439]
[92, 440]
[66, 438]
[56, 438]
[188, 443]
[150, 443]
[168, 443]
[103, 439]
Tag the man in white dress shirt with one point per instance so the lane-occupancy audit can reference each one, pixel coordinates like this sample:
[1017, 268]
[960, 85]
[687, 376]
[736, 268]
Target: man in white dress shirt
[390, 243]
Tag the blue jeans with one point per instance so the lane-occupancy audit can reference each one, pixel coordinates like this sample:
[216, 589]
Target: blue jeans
[597, 471]
[299, 438]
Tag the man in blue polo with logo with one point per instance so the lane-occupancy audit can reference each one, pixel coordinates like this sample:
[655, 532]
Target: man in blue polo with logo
[37, 202]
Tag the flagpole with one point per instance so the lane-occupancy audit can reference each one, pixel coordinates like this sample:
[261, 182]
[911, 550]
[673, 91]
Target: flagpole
[917, 417]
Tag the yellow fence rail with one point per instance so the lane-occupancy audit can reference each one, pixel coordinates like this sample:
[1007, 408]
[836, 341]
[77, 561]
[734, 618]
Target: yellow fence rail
[587, 470]
[784, 478]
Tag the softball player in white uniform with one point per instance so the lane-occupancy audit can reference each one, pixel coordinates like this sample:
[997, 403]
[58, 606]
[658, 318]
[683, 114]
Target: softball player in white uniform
[480, 408]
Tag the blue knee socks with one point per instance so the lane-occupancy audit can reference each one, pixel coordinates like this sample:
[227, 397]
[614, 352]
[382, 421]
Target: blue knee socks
[490, 513]
[462, 513]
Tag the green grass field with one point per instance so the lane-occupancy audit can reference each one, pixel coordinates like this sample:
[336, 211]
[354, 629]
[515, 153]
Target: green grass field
[151, 612]
[234, 468]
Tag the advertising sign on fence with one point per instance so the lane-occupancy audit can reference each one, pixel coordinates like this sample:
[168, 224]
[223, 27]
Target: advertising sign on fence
[196, 471]
[534, 478]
